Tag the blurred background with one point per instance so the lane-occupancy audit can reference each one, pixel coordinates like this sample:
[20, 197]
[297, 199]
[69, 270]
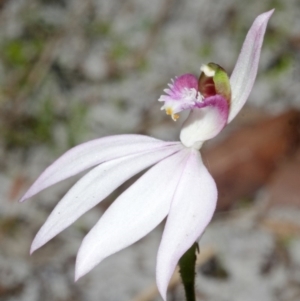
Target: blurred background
[73, 70]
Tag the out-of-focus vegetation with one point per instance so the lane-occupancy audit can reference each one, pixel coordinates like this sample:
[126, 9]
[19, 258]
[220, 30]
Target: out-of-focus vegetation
[29, 118]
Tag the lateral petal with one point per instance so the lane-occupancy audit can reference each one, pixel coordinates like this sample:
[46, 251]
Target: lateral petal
[191, 210]
[89, 154]
[93, 188]
[245, 70]
[133, 215]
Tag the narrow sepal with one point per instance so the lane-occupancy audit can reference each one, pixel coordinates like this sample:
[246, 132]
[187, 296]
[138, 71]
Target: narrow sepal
[90, 154]
[133, 215]
[245, 70]
[191, 210]
[93, 188]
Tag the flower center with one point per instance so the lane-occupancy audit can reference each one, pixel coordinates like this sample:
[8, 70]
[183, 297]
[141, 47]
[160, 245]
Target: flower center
[214, 80]
[187, 92]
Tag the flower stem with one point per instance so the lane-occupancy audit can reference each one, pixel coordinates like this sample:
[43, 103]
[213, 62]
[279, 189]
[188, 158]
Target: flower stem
[187, 271]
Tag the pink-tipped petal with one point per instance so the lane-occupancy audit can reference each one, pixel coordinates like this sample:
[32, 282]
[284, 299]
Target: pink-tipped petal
[93, 188]
[90, 154]
[191, 211]
[205, 122]
[133, 215]
[245, 70]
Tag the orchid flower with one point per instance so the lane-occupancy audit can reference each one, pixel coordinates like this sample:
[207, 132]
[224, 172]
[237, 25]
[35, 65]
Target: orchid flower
[177, 186]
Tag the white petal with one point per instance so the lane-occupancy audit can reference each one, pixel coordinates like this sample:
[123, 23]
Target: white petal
[205, 123]
[133, 215]
[245, 70]
[89, 154]
[191, 211]
[93, 188]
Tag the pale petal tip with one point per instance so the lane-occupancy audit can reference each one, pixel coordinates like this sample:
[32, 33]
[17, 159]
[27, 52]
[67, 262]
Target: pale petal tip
[163, 293]
[77, 277]
[33, 248]
[37, 242]
[270, 12]
[27, 195]
[162, 284]
[263, 18]
[82, 267]
[83, 263]
[80, 271]
[24, 198]
[164, 297]
[267, 14]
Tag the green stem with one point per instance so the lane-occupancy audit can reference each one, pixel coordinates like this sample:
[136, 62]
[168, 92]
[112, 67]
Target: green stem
[187, 271]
